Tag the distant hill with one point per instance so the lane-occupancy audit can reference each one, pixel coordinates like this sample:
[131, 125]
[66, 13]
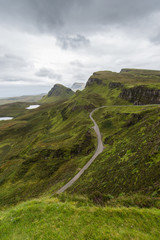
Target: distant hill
[27, 98]
[78, 86]
[57, 93]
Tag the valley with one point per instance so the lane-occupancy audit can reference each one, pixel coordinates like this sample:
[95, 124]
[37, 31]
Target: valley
[53, 149]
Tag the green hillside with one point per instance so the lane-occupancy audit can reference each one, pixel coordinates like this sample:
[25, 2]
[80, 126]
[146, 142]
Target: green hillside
[13, 109]
[50, 219]
[130, 161]
[42, 149]
[131, 77]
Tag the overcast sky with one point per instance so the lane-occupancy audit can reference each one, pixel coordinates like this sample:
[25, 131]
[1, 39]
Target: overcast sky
[43, 42]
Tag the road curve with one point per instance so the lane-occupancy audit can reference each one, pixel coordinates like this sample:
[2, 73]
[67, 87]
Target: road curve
[99, 147]
[97, 152]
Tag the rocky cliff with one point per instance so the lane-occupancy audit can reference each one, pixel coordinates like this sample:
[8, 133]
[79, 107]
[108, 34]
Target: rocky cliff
[140, 95]
[57, 93]
[59, 90]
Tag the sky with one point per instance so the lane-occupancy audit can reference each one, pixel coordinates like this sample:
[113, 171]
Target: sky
[44, 42]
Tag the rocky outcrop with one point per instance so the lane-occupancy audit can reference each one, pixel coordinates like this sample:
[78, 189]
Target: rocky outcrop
[113, 85]
[91, 81]
[123, 70]
[58, 93]
[140, 95]
[59, 90]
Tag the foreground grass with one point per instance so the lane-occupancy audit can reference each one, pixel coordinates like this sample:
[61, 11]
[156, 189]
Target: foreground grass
[51, 219]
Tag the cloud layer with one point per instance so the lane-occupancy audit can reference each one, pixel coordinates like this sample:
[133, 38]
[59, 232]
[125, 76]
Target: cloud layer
[53, 15]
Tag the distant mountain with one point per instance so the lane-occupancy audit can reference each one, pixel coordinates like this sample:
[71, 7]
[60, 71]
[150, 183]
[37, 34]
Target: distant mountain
[27, 98]
[78, 86]
[57, 93]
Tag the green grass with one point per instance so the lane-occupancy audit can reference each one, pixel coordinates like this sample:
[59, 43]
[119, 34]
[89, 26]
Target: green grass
[130, 161]
[42, 149]
[131, 78]
[50, 218]
[13, 109]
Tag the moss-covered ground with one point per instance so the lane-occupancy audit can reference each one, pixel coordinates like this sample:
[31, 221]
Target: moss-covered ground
[130, 161]
[13, 109]
[131, 78]
[118, 197]
[53, 219]
[42, 149]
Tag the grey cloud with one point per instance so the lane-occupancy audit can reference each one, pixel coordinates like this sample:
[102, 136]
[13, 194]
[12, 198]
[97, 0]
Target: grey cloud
[73, 15]
[155, 38]
[18, 79]
[49, 73]
[72, 42]
[80, 77]
[77, 63]
[18, 90]
[9, 61]
[7, 79]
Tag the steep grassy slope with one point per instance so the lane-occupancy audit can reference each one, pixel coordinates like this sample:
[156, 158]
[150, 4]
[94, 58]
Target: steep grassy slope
[44, 148]
[49, 219]
[131, 159]
[57, 93]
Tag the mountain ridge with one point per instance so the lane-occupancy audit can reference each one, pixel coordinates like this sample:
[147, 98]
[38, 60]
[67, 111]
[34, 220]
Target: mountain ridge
[57, 93]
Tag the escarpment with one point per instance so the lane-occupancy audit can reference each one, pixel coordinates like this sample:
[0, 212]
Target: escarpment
[140, 95]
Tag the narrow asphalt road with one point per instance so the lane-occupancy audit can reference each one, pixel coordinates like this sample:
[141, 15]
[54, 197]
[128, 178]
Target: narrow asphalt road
[98, 151]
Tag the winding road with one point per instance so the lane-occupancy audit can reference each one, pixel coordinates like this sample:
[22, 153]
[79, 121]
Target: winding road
[98, 151]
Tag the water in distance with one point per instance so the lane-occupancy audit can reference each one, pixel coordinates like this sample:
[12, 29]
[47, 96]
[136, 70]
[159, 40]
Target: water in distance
[5, 118]
[32, 107]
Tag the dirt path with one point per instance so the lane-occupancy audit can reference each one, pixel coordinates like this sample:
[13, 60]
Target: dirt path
[98, 151]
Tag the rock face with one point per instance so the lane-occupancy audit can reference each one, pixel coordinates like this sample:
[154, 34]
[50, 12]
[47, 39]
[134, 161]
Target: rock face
[91, 81]
[123, 70]
[60, 90]
[113, 85]
[140, 95]
[57, 93]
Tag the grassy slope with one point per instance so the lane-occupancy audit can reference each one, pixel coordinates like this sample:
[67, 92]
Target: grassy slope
[131, 159]
[44, 148]
[132, 78]
[41, 148]
[13, 109]
[51, 219]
